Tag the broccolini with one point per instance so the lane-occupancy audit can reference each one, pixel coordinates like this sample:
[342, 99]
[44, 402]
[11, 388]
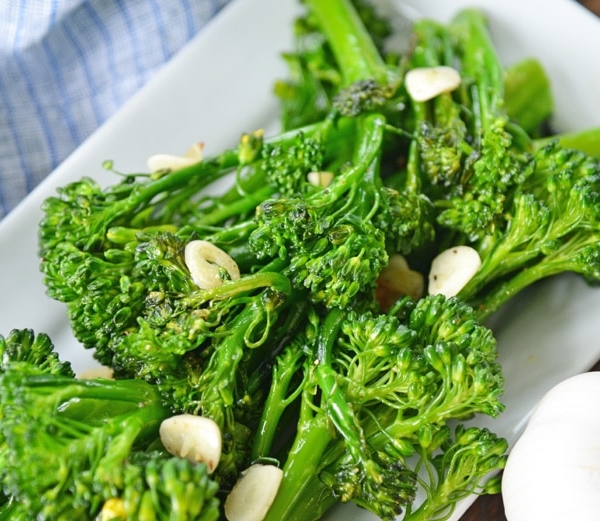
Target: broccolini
[302, 356]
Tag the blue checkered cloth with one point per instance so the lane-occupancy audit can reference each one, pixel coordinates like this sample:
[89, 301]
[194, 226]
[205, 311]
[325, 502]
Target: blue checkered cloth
[67, 65]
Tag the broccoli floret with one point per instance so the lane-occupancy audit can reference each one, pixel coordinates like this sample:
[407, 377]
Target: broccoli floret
[525, 204]
[77, 448]
[552, 227]
[458, 464]
[83, 448]
[286, 167]
[328, 239]
[23, 345]
[156, 487]
[470, 155]
[362, 96]
[387, 385]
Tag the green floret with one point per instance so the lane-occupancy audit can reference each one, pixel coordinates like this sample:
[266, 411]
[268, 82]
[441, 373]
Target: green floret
[83, 449]
[362, 96]
[77, 449]
[553, 227]
[458, 464]
[157, 487]
[328, 238]
[67, 439]
[286, 167]
[470, 152]
[23, 345]
[526, 204]
[375, 390]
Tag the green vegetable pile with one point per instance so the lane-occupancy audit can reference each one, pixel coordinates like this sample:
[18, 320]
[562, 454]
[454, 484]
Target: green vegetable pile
[321, 356]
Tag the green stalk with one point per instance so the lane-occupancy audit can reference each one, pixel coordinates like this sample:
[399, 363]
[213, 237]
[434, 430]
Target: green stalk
[243, 205]
[480, 62]
[302, 496]
[278, 400]
[352, 46]
[548, 267]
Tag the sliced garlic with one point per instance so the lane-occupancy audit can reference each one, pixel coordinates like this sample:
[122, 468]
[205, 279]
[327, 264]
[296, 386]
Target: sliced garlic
[96, 372]
[452, 269]
[425, 83]
[159, 162]
[195, 438]
[320, 179]
[254, 493]
[206, 263]
[397, 280]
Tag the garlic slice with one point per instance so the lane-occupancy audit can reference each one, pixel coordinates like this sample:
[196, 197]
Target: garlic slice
[425, 83]
[397, 280]
[320, 179]
[452, 269]
[206, 262]
[195, 438]
[254, 493]
[160, 162]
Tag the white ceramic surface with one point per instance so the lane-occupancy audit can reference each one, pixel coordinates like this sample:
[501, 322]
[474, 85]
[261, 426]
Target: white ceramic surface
[220, 86]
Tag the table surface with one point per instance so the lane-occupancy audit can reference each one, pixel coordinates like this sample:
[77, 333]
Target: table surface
[490, 508]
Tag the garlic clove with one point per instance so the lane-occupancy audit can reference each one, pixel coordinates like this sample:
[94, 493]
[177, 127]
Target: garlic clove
[425, 83]
[254, 493]
[195, 438]
[206, 263]
[452, 269]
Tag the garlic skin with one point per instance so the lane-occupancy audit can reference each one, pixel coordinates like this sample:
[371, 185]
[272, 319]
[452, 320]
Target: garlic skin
[195, 438]
[452, 269]
[425, 83]
[253, 493]
[553, 471]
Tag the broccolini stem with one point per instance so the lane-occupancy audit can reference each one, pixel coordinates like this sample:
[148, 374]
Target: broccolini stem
[339, 412]
[268, 277]
[279, 398]
[243, 205]
[132, 392]
[353, 47]
[370, 134]
[480, 62]
[493, 299]
[302, 496]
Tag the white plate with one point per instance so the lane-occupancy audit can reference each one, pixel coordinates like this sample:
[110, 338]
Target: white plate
[220, 86]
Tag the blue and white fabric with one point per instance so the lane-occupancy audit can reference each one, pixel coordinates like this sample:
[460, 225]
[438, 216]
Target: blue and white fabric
[67, 65]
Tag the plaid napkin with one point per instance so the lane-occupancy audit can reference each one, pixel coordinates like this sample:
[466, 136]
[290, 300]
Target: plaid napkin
[67, 65]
